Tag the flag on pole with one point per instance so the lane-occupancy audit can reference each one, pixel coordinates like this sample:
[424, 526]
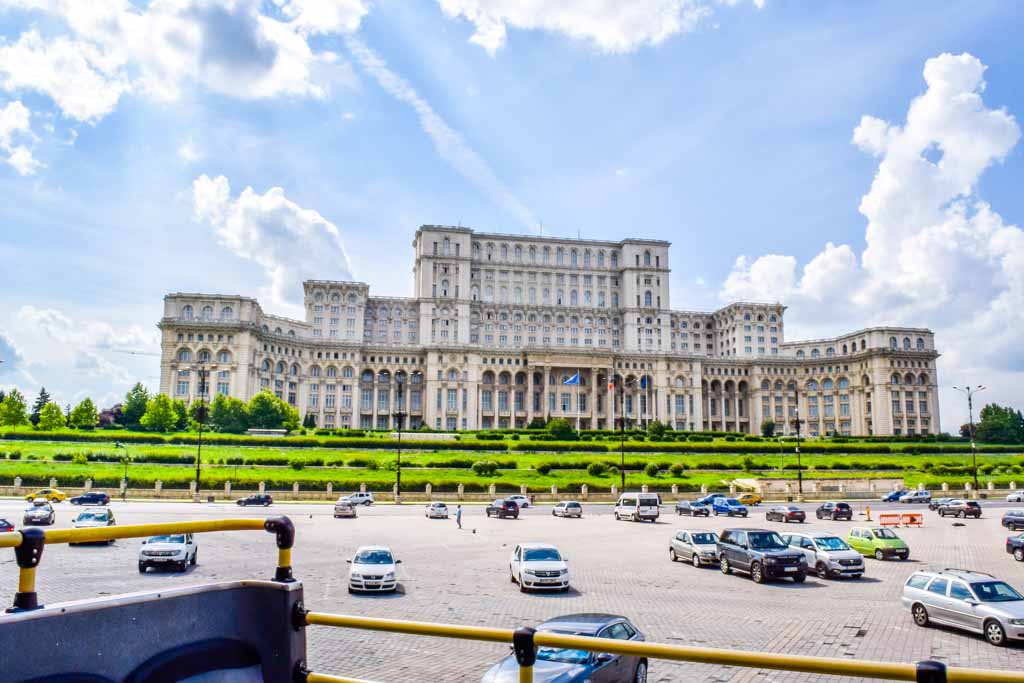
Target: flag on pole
[575, 379]
[643, 382]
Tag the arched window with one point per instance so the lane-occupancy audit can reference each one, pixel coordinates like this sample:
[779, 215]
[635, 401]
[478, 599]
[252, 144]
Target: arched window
[844, 349]
[488, 293]
[332, 371]
[265, 367]
[588, 299]
[517, 295]
[224, 357]
[186, 313]
[533, 254]
[844, 383]
[504, 252]
[280, 367]
[519, 254]
[826, 385]
[474, 293]
[559, 297]
[184, 355]
[453, 375]
[203, 356]
[295, 370]
[586, 258]
[648, 300]
[922, 379]
[746, 316]
[208, 313]
[647, 258]
[906, 343]
[765, 385]
[893, 344]
[573, 298]
[815, 353]
[416, 378]
[615, 259]
[778, 385]
[573, 258]
[367, 376]
[318, 297]
[920, 344]
[314, 371]
[227, 313]
[444, 287]
[863, 344]
[800, 354]
[615, 299]
[812, 385]
[476, 250]
[791, 386]
[503, 295]
[488, 377]
[908, 379]
[895, 379]
[335, 298]
[829, 352]
[600, 299]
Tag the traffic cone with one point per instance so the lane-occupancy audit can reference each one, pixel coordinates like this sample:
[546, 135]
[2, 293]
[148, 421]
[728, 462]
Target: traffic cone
[868, 511]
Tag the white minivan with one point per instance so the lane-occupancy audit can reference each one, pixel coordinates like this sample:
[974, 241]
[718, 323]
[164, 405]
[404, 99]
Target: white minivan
[637, 507]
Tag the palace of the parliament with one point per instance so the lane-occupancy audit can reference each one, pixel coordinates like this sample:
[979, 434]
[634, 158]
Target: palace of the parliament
[498, 324]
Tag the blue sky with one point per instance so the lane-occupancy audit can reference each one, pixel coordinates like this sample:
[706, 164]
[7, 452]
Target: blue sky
[724, 127]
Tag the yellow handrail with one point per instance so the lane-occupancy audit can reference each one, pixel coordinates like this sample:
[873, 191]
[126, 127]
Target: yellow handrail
[760, 660]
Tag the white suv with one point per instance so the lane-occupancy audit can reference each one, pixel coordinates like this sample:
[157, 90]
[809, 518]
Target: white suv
[538, 566]
[361, 498]
[170, 550]
[828, 555]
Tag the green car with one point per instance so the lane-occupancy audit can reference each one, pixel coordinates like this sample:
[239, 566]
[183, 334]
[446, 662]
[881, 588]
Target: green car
[879, 542]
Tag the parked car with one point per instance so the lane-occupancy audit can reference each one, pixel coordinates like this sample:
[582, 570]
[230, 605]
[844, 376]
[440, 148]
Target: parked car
[970, 601]
[638, 507]
[710, 498]
[685, 507]
[373, 570]
[170, 550]
[1016, 497]
[343, 507]
[538, 566]
[556, 665]
[761, 553]
[936, 502]
[696, 546]
[361, 498]
[827, 555]
[263, 499]
[879, 542]
[91, 518]
[916, 497]
[785, 513]
[91, 498]
[436, 510]
[728, 506]
[1014, 546]
[749, 498]
[834, 511]
[960, 508]
[503, 508]
[1013, 519]
[52, 495]
[894, 496]
[567, 508]
[40, 513]
[5, 525]
[520, 500]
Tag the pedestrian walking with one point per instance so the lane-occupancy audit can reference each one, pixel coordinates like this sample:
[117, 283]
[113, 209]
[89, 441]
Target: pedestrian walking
[458, 516]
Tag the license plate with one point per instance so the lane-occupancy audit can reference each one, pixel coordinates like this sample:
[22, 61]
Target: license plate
[790, 569]
[549, 580]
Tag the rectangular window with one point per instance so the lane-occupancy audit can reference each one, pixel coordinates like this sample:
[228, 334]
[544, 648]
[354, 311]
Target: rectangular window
[329, 401]
[566, 402]
[414, 400]
[367, 400]
[453, 399]
[383, 396]
[520, 401]
[502, 401]
[486, 400]
[182, 388]
[582, 401]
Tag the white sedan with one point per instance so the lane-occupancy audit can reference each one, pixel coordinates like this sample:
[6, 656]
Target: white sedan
[520, 500]
[171, 550]
[538, 566]
[373, 570]
[344, 508]
[1015, 497]
[436, 510]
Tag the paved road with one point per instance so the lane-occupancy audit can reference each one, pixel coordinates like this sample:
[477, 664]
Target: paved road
[450, 575]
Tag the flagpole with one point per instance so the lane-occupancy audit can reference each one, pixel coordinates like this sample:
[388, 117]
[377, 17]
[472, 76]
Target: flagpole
[579, 381]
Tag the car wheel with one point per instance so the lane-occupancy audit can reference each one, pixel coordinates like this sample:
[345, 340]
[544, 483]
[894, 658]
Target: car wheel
[142, 567]
[879, 555]
[800, 577]
[641, 673]
[756, 573]
[833, 517]
[821, 569]
[195, 558]
[995, 634]
[616, 516]
[1018, 554]
[672, 555]
[920, 615]
[350, 591]
[724, 565]
[511, 576]
[522, 587]
[695, 559]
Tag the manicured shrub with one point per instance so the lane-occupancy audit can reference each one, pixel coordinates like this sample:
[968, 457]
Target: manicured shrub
[651, 470]
[485, 468]
[677, 469]
[596, 469]
[544, 468]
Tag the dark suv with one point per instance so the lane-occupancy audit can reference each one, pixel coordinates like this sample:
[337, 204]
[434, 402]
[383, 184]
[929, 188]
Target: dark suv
[263, 499]
[834, 511]
[91, 498]
[761, 553]
[503, 507]
[960, 508]
[1013, 519]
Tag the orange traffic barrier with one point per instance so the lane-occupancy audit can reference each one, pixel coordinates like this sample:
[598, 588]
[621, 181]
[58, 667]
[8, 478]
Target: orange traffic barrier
[912, 519]
[891, 519]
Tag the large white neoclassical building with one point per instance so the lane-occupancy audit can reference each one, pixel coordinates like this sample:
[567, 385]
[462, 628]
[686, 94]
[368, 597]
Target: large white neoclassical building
[498, 324]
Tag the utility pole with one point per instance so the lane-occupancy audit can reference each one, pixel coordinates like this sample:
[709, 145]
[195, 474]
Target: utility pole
[399, 416]
[203, 373]
[970, 392]
[124, 460]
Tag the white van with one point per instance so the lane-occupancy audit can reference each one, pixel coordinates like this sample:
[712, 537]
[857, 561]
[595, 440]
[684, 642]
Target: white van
[637, 507]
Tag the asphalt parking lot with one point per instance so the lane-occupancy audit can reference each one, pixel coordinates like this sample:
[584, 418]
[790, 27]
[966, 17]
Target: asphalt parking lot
[462, 576]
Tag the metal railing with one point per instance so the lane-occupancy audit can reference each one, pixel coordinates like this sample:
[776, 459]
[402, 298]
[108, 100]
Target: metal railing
[525, 642]
[29, 543]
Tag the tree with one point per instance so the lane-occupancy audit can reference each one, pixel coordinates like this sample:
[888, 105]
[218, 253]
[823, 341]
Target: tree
[159, 415]
[536, 423]
[198, 413]
[85, 415]
[309, 422]
[12, 410]
[181, 411]
[37, 407]
[134, 406]
[656, 430]
[267, 411]
[768, 428]
[228, 415]
[965, 430]
[999, 424]
[112, 416]
[50, 418]
[561, 430]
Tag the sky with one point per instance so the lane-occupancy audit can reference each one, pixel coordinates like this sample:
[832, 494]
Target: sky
[860, 162]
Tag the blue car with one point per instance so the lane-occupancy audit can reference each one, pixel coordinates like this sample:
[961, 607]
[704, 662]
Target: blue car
[709, 499]
[556, 665]
[728, 506]
[894, 497]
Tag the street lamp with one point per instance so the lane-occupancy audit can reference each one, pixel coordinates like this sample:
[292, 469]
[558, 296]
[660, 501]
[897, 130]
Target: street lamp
[621, 384]
[124, 461]
[799, 468]
[969, 392]
[399, 416]
[203, 373]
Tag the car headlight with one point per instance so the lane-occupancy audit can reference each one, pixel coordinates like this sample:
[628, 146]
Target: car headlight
[1017, 622]
[563, 571]
[770, 560]
[389, 576]
[355, 576]
[528, 571]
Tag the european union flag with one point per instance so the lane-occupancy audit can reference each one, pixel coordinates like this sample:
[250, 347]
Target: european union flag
[575, 379]
[643, 382]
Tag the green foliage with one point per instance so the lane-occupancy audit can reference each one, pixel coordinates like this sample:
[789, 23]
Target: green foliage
[544, 468]
[748, 463]
[652, 469]
[657, 430]
[1000, 424]
[537, 423]
[134, 406]
[768, 428]
[228, 415]
[80, 458]
[485, 468]
[50, 418]
[597, 469]
[160, 415]
[12, 410]
[309, 422]
[561, 430]
[267, 411]
[37, 407]
[85, 415]
[180, 414]
[677, 469]
[297, 464]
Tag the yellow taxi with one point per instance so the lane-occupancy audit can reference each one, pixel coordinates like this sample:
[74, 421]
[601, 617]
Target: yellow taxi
[52, 495]
[749, 498]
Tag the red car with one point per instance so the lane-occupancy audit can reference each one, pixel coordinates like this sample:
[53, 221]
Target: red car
[785, 513]
[5, 525]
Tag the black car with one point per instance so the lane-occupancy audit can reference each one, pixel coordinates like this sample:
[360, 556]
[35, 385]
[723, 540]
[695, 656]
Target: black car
[503, 507]
[785, 513]
[578, 666]
[1013, 519]
[91, 498]
[5, 525]
[695, 509]
[1014, 546]
[761, 553]
[263, 499]
[834, 511]
[960, 508]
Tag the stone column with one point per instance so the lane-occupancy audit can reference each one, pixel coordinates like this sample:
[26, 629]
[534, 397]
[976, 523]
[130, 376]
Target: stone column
[263, 487]
[158, 487]
[362, 488]
[584, 490]
[295, 488]
[945, 486]
[492, 489]
[529, 395]
[991, 486]
[17, 484]
[461, 492]
[554, 490]
[675, 489]
[395, 494]
[53, 483]
[227, 488]
[191, 488]
[643, 489]
[615, 491]
[522, 489]
[703, 489]
[428, 490]
[1013, 486]
[330, 488]
[88, 484]
[732, 489]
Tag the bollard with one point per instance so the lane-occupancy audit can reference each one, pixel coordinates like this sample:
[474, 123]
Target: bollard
[867, 511]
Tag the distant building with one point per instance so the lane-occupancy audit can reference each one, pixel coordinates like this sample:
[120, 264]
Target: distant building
[498, 324]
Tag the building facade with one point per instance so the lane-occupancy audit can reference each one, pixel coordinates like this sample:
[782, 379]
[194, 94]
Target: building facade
[502, 329]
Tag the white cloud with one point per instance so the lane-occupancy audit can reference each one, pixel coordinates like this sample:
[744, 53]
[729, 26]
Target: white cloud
[452, 147]
[189, 152]
[610, 25]
[289, 242]
[14, 121]
[324, 16]
[936, 254]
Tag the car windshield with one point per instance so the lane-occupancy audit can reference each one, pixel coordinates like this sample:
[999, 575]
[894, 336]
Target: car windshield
[373, 557]
[705, 538]
[171, 538]
[831, 543]
[541, 555]
[766, 540]
[884, 533]
[92, 517]
[438, 505]
[995, 591]
[731, 501]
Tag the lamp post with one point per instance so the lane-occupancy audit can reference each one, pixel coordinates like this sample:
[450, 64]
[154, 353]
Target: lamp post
[799, 468]
[203, 373]
[124, 461]
[969, 392]
[621, 384]
[399, 416]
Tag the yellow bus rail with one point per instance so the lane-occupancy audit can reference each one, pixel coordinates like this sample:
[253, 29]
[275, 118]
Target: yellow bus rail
[28, 545]
[525, 641]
